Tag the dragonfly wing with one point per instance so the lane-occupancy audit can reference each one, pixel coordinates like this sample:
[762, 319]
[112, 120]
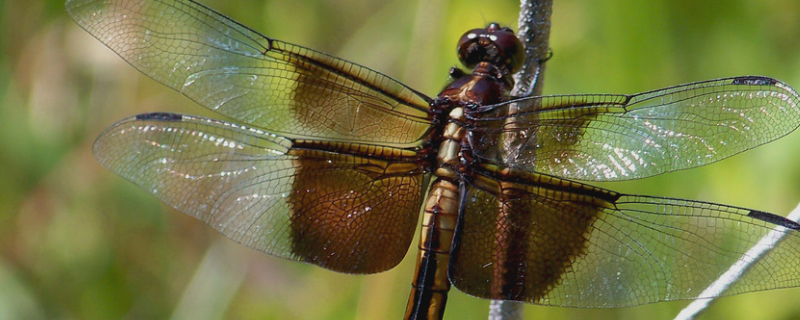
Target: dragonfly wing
[343, 212]
[548, 241]
[622, 137]
[266, 83]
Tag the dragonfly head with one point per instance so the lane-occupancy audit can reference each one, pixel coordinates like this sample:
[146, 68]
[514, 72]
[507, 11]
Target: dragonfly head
[494, 44]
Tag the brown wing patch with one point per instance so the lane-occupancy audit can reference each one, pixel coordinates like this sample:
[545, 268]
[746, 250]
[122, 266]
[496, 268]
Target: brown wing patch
[516, 240]
[352, 214]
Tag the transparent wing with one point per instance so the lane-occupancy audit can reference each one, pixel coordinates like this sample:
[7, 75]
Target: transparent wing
[621, 137]
[561, 243]
[341, 212]
[259, 81]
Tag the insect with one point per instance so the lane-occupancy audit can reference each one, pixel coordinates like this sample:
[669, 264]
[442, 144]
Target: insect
[330, 163]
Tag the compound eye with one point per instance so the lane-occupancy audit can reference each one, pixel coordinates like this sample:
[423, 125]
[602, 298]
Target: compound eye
[493, 44]
[469, 47]
[511, 53]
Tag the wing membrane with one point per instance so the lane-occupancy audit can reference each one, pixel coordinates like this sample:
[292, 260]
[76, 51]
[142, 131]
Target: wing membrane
[262, 82]
[342, 212]
[621, 137]
[555, 242]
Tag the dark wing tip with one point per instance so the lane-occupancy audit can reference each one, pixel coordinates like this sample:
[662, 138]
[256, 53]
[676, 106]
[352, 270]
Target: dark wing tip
[774, 219]
[754, 81]
[160, 116]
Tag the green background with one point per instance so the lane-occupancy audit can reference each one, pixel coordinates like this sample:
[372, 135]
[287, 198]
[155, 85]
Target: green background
[77, 242]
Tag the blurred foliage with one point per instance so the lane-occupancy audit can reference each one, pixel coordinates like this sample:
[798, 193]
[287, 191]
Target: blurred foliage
[77, 242]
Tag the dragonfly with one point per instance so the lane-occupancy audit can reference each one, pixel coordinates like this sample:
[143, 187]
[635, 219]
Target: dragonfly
[328, 162]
